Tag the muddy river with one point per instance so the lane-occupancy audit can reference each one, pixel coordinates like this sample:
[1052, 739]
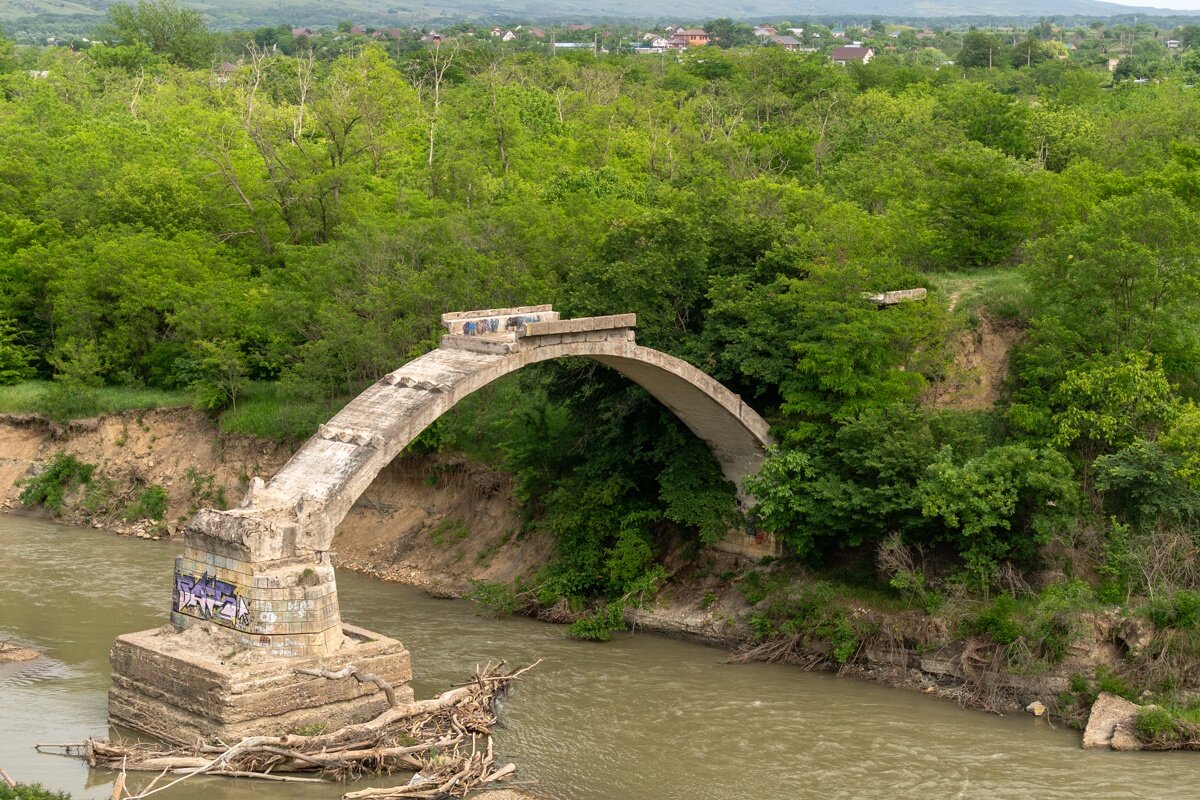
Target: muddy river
[637, 718]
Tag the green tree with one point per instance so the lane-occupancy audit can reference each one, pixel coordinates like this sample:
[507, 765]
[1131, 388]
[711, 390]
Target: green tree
[8, 54]
[977, 207]
[218, 375]
[164, 26]
[1001, 505]
[1124, 280]
[15, 358]
[981, 49]
[728, 33]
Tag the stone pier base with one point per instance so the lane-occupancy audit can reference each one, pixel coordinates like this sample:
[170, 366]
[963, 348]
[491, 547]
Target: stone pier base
[180, 686]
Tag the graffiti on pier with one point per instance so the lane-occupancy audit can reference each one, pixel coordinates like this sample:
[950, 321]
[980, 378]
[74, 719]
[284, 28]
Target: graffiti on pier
[491, 325]
[212, 599]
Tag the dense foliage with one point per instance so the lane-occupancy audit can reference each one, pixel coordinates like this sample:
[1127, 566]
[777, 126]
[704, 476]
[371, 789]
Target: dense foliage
[298, 220]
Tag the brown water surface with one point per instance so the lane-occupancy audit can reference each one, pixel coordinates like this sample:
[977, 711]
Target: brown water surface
[642, 717]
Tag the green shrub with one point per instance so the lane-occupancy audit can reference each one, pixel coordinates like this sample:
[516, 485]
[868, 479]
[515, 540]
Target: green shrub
[811, 614]
[50, 488]
[151, 503]
[1155, 724]
[1109, 681]
[497, 599]
[27, 791]
[449, 531]
[598, 625]
[1179, 610]
[995, 621]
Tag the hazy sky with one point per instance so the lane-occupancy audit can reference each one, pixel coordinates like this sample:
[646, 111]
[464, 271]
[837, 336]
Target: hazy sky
[1187, 5]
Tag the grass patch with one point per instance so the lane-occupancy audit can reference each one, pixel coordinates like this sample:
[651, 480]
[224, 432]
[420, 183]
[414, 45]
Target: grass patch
[1002, 293]
[449, 532]
[44, 397]
[269, 411]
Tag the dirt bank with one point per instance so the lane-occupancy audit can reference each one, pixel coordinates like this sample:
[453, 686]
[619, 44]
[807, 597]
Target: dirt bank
[429, 521]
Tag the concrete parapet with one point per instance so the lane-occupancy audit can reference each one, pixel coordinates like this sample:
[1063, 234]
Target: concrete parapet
[581, 325]
[493, 321]
[201, 683]
[899, 296]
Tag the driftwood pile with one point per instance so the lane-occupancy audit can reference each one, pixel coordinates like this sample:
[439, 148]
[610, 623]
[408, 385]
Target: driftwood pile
[446, 740]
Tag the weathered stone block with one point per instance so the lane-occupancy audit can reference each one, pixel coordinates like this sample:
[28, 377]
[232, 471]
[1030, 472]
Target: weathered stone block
[203, 683]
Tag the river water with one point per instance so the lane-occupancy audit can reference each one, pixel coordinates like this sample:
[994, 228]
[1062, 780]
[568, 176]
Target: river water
[637, 718]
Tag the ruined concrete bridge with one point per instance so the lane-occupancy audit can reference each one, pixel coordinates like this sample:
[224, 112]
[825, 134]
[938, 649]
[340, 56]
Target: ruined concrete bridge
[262, 573]
[288, 523]
[255, 596]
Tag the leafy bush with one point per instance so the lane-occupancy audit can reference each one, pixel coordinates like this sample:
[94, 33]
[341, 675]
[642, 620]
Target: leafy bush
[599, 625]
[1001, 505]
[811, 614]
[151, 503]
[15, 358]
[27, 791]
[495, 598]
[50, 488]
[995, 621]
[1180, 610]
[1155, 724]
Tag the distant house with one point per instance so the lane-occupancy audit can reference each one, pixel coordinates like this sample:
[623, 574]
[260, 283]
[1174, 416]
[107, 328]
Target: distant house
[765, 31]
[797, 32]
[1174, 44]
[925, 35]
[1112, 64]
[856, 55]
[395, 33]
[303, 32]
[497, 32]
[838, 33]
[537, 33]
[658, 42]
[508, 36]
[227, 68]
[786, 42]
[575, 46]
[693, 37]
[357, 30]
[677, 43]
[433, 37]
[578, 27]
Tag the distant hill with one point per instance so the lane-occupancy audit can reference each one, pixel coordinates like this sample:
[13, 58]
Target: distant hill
[244, 13]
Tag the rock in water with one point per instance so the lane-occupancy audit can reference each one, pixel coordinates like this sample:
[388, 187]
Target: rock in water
[1110, 715]
[1037, 708]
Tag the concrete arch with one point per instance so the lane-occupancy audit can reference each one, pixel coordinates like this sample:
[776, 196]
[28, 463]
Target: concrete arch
[327, 475]
[276, 543]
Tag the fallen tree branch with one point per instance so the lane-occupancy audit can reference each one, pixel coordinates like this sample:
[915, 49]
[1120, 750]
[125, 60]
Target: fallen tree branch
[446, 740]
[351, 671]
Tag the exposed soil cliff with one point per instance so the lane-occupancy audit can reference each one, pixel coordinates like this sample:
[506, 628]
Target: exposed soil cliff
[430, 521]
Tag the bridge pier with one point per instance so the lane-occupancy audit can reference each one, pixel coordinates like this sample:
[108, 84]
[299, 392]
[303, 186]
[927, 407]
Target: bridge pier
[254, 596]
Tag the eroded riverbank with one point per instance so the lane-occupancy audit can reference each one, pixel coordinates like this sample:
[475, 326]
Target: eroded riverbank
[438, 523]
[640, 716]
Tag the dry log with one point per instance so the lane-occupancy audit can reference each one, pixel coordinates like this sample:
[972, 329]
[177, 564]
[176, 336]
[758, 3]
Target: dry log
[439, 738]
[351, 671]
